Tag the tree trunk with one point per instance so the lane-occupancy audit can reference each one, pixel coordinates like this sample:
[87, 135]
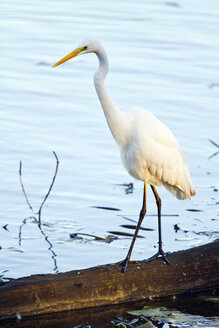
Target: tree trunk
[189, 270]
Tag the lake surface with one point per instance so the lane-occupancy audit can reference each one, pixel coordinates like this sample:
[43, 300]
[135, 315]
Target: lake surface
[163, 57]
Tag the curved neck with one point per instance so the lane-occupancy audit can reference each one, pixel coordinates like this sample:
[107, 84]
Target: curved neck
[114, 116]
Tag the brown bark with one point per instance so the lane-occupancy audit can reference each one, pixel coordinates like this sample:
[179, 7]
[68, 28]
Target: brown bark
[189, 270]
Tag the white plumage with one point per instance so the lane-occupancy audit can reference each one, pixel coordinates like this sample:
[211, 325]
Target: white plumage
[152, 154]
[149, 151]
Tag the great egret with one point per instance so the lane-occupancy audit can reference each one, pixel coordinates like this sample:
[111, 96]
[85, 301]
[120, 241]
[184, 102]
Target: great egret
[149, 151]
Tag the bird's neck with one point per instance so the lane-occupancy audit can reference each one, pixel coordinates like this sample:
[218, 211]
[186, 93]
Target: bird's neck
[115, 117]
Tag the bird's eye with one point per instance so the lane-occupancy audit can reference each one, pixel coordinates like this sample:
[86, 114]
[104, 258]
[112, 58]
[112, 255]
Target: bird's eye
[85, 48]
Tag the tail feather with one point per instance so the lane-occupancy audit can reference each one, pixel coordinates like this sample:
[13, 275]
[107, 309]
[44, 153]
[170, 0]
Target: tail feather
[179, 193]
[183, 187]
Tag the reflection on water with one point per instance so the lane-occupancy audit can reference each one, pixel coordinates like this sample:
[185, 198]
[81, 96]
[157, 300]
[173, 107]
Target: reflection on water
[163, 57]
[39, 226]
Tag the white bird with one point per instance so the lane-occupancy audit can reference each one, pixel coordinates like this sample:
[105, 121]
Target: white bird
[148, 149]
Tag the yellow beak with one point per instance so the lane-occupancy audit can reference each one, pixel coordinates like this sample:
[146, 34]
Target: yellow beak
[69, 56]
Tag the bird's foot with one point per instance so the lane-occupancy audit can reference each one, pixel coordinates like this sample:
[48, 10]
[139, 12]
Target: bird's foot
[124, 264]
[159, 254]
[163, 255]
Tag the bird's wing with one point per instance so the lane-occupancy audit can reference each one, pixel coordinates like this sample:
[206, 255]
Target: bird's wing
[158, 150]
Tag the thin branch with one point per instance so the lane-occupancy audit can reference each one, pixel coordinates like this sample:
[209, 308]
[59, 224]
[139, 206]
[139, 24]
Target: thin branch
[22, 186]
[50, 188]
[214, 143]
[213, 155]
[39, 212]
[47, 195]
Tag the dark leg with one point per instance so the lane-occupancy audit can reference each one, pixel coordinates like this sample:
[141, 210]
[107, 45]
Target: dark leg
[141, 217]
[160, 250]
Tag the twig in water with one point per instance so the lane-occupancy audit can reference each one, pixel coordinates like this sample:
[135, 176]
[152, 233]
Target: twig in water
[216, 145]
[22, 186]
[47, 195]
[50, 188]
[39, 212]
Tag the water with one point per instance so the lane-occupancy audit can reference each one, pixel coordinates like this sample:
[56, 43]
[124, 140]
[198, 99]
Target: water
[163, 57]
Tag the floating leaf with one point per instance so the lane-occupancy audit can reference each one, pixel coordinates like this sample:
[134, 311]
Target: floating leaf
[126, 234]
[5, 227]
[83, 325]
[74, 235]
[165, 315]
[179, 318]
[121, 324]
[193, 210]
[106, 208]
[110, 238]
[107, 239]
[213, 299]
[132, 226]
[148, 324]
[154, 312]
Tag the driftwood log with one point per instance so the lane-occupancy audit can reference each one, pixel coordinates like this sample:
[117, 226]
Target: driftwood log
[190, 270]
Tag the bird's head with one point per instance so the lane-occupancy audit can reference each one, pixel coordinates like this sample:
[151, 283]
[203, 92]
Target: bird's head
[85, 47]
